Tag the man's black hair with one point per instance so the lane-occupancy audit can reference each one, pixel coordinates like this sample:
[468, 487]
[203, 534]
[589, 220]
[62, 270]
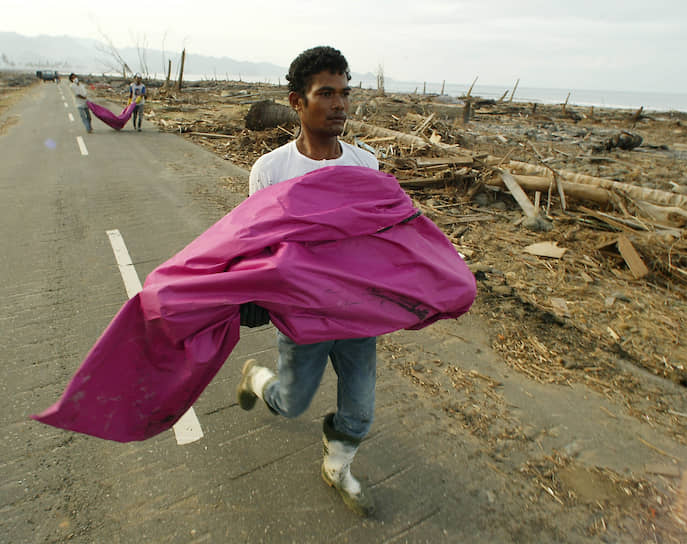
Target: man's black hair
[313, 61]
[71, 76]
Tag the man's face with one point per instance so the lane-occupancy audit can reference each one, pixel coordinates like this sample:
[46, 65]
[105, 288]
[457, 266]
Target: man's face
[138, 81]
[323, 111]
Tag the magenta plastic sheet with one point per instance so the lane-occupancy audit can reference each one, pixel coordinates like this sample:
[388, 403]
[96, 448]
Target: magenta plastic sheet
[329, 254]
[115, 121]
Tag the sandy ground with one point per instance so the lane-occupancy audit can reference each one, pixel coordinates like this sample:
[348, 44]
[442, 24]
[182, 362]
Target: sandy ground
[613, 348]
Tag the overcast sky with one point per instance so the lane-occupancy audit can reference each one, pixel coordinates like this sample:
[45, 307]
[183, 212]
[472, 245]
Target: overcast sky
[637, 45]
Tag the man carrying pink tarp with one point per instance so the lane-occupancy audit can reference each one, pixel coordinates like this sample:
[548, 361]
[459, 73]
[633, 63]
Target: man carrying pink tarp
[331, 249]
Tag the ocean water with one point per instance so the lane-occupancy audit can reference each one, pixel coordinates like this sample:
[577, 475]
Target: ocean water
[650, 101]
[578, 97]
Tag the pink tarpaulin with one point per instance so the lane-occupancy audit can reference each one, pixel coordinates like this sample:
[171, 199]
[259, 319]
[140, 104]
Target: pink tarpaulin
[117, 122]
[334, 254]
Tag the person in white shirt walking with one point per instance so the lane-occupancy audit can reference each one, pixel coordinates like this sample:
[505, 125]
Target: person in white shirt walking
[319, 92]
[137, 93]
[81, 97]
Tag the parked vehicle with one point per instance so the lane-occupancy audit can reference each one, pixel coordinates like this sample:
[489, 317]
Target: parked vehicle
[48, 75]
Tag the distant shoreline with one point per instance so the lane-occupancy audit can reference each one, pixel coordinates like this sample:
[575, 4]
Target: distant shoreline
[582, 98]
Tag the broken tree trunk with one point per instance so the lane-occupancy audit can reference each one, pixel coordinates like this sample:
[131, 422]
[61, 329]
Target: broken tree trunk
[471, 86]
[576, 191]
[267, 114]
[512, 95]
[416, 142]
[181, 70]
[169, 73]
[379, 132]
[654, 196]
[666, 215]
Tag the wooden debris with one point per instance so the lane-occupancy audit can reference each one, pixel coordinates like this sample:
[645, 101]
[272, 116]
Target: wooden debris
[629, 254]
[656, 449]
[518, 194]
[424, 162]
[639, 194]
[401, 137]
[650, 195]
[424, 125]
[211, 134]
[546, 249]
[576, 191]
[560, 306]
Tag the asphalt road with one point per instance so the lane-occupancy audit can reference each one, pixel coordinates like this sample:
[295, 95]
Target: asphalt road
[252, 477]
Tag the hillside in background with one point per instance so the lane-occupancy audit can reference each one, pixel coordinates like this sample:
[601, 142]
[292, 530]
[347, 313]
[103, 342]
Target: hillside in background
[68, 54]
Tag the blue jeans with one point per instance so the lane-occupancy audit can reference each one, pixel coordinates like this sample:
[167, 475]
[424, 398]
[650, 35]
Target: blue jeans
[138, 113]
[85, 114]
[299, 372]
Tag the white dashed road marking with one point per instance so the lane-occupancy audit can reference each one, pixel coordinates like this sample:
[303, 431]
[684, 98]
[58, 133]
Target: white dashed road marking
[82, 145]
[71, 117]
[188, 428]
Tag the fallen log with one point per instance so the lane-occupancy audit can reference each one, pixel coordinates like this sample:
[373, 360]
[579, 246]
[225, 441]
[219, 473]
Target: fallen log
[666, 215]
[577, 191]
[426, 162]
[653, 196]
[379, 132]
[266, 114]
[210, 134]
[669, 217]
[416, 142]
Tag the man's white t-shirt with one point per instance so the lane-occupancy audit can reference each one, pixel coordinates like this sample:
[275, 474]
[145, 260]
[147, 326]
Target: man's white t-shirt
[286, 162]
[78, 88]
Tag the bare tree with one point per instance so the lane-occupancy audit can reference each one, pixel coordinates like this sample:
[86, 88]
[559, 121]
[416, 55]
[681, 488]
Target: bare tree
[380, 80]
[164, 54]
[114, 61]
[6, 60]
[181, 70]
[141, 50]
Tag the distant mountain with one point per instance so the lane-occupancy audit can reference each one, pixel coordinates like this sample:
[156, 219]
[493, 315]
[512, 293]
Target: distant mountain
[85, 56]
[56, 52]
[68, 54]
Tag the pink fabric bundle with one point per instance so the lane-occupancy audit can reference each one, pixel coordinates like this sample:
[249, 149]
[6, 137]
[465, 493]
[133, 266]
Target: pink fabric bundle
[331, 255]
[117, 122]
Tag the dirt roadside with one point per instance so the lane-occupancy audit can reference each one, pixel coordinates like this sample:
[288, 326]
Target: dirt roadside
[587, 428]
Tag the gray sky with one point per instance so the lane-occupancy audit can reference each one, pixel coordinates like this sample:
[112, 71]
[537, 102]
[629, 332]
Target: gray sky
[637, 45]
